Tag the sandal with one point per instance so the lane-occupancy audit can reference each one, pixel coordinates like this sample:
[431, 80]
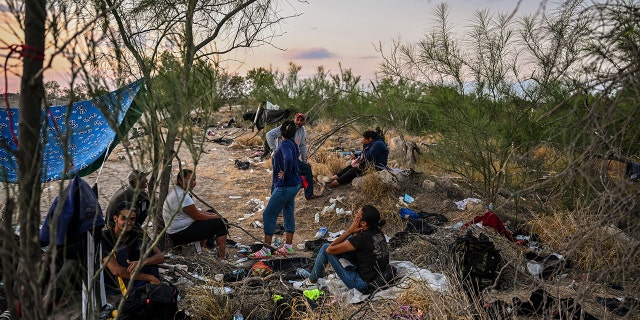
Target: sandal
[261, 254]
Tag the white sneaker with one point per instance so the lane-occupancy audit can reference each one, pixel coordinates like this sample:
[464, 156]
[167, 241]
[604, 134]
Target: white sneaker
[306, 284]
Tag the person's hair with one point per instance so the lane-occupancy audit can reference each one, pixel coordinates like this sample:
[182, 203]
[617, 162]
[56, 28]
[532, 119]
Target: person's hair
[370, 134]
[183, 174]
[124, 205]
[371, 216]
[288, 129]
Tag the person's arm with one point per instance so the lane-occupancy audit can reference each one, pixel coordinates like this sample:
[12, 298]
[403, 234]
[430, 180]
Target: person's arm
[196, 214]
[341, 244]
[272, 137]
[122, 272]
[156, 258]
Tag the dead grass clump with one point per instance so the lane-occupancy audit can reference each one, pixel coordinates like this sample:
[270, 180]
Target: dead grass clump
[590, 246]
[549, 157]
[328, 163]
[374, 189]
[453, 304]
[249, 139]
[203, 304]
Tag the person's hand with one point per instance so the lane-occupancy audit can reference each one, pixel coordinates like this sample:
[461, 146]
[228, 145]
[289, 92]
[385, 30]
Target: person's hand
[355, 226]
[154, 280]
[281, 175]
[132, 266]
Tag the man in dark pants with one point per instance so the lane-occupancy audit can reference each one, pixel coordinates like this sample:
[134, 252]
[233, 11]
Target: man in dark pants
[273, 139]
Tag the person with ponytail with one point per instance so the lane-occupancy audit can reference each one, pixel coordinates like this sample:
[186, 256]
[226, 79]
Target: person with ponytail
[286, 183]
[358, 256]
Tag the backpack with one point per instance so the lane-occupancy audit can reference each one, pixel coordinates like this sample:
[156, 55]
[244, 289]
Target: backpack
[151, 302]
[477, 259]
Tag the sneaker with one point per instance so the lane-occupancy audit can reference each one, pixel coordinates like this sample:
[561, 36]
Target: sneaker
[314, 196]
[261, 254]
[285, 250]
[305, 284]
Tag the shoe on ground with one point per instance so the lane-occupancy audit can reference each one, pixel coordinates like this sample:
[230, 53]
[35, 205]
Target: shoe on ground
[261, 254]
[285, 250]
[314, 196]
[305, 284]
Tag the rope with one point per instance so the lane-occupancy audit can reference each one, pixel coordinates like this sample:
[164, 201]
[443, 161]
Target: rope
[23, 52]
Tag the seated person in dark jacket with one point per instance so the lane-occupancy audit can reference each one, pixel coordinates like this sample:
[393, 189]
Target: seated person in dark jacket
[122, 252]
[374, 154]
[358, 256]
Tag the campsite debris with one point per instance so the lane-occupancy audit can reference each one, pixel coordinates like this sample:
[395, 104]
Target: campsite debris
[336, 199]
[218, 290]
[238, 315]
[316, 218]
[328, 209]
[256, 224]
[335, 235]
[407, 198]
[258, 205]
[313, 294]
[462, 205]
[235, 197]
[321, 233]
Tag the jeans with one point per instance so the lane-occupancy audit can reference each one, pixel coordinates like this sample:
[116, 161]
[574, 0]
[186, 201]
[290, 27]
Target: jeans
[282, 200]
[350, 278]
[305, 171]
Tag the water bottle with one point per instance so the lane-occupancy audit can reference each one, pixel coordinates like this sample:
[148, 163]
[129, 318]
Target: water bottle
[490, 207]
[238, 316]
[303, 273]
[321, 233]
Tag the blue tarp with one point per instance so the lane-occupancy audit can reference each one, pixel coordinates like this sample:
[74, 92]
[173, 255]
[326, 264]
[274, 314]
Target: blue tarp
[91, 135]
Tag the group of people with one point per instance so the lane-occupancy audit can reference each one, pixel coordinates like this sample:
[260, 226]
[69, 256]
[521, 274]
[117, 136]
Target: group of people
[123, 241]
[363, 244]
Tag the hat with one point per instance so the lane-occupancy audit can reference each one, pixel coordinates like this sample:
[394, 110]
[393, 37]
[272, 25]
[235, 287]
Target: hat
[137, 175]
[300, 115]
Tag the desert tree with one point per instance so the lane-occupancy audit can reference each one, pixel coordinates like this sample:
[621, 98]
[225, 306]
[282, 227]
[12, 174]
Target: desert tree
[193, 31]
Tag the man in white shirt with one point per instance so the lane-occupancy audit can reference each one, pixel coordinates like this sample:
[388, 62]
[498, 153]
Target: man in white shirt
[185, 223]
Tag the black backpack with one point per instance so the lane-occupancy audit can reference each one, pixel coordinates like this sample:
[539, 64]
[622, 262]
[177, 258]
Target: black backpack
[477, 259]
[151, 302]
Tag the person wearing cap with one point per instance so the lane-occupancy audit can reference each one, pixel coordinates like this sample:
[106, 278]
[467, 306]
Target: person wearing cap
[123, 248]
[273, 138]
[186, 223]
[135, 192]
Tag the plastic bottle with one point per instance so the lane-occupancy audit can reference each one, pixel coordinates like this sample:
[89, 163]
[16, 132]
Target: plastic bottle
[303, 273]
[238, 316]
[490, 207]
[316, 218]
[321, 232]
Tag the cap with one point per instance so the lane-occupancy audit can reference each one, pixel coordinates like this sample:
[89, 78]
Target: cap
[136, 175]
[300, 114]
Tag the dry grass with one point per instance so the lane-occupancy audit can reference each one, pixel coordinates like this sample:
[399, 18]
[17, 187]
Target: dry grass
[203, 304]
[248, 139]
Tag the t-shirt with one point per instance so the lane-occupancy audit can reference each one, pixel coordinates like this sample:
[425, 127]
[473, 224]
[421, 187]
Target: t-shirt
[127, 249]
[176, 199]
[371, 254]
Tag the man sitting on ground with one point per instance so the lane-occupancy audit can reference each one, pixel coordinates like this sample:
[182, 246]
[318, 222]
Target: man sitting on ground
[122, 250]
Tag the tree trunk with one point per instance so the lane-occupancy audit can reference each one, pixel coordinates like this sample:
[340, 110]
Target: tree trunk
[29, 159]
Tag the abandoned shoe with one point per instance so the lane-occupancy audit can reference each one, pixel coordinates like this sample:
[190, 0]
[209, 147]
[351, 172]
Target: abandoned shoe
[313, 196]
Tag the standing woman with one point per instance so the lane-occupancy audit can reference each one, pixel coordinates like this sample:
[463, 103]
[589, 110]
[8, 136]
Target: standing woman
[286, 184]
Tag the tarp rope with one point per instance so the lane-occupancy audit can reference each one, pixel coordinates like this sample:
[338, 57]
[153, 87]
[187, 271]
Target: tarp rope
[23, 51]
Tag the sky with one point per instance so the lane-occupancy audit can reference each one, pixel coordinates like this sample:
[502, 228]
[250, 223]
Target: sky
[346, 32]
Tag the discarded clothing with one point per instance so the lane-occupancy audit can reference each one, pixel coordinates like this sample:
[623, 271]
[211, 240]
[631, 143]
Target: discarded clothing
[490, 219]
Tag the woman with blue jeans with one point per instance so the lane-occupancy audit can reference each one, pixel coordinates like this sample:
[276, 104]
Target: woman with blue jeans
[358, 256]
[286, 183]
